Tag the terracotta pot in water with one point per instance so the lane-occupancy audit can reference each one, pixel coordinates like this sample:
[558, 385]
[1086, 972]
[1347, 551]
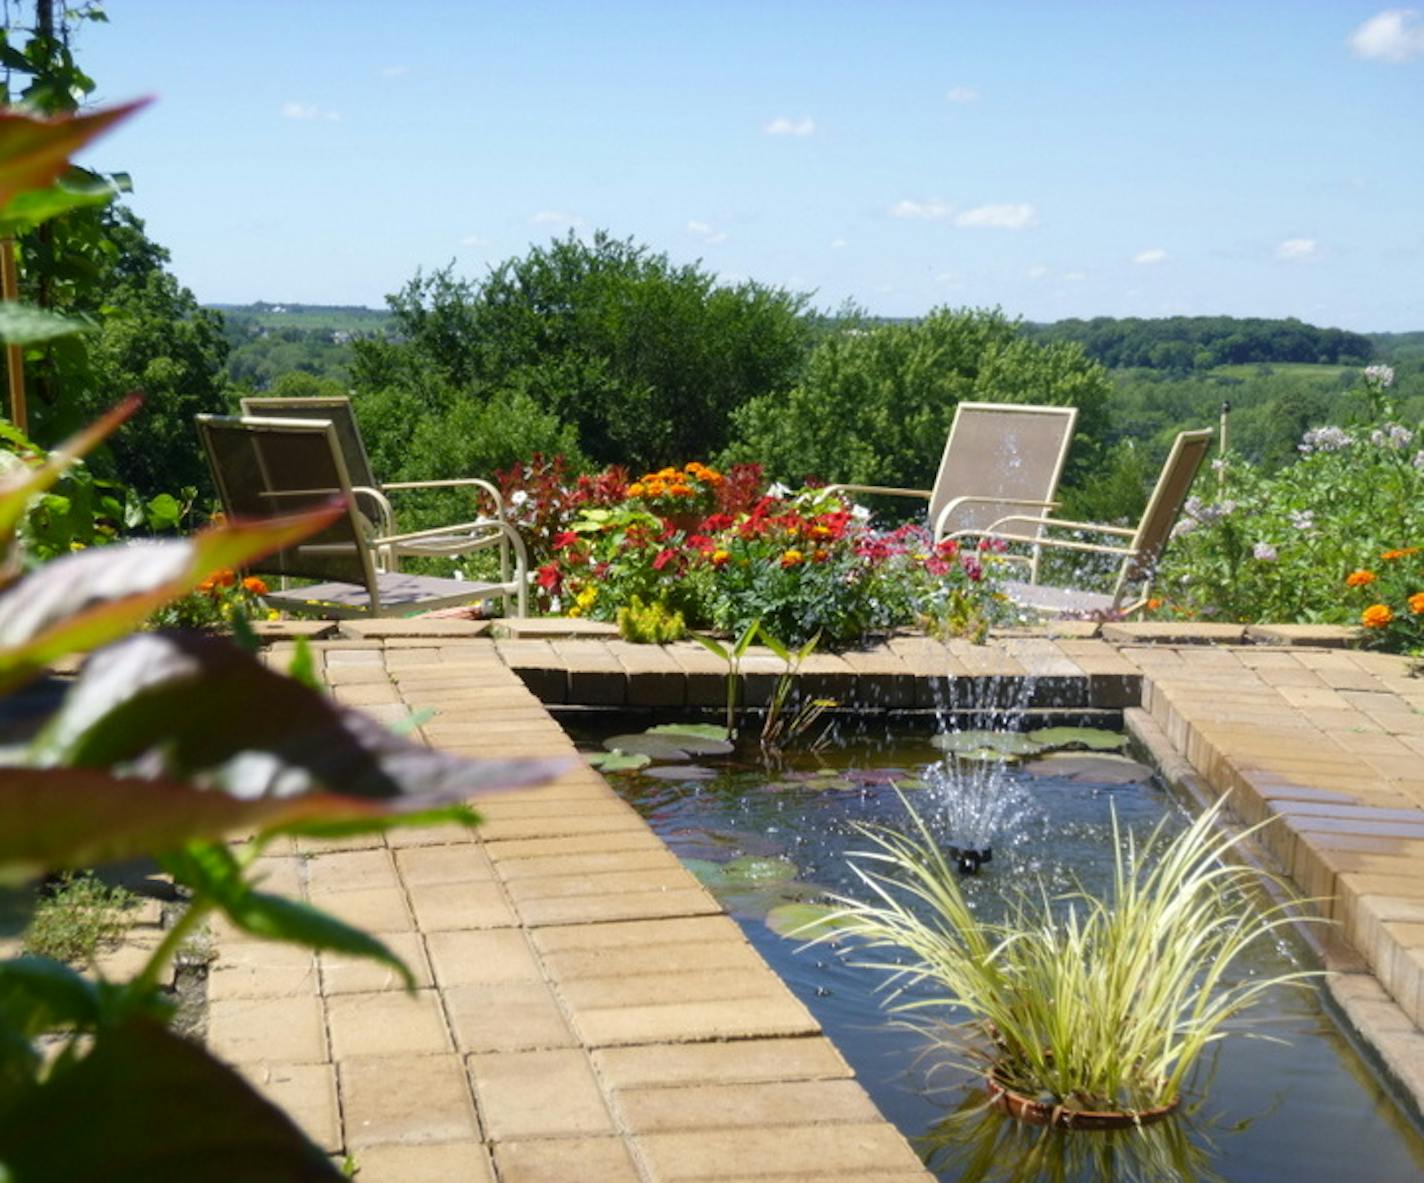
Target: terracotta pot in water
[1033, 1112]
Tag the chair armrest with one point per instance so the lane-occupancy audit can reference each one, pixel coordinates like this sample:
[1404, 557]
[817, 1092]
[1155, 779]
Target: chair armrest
[1060, 523]
[497, 525]
[950, 506]
[885, 490]
[1096, 548]
[452, 483]
[387, 514]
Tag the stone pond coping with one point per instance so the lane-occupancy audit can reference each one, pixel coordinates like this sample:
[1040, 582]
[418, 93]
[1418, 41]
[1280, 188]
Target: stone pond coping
[585, 1009]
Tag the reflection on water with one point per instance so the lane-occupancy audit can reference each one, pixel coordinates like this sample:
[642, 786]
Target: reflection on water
[1302, 1106]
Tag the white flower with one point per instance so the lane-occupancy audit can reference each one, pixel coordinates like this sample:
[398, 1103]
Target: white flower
[861, 514]
[777, 490]
[1304, 519]
[1325, 439]
[1380, 376]
[518, 497]
[1264, 552]
[1418, 460]
[1219, 464]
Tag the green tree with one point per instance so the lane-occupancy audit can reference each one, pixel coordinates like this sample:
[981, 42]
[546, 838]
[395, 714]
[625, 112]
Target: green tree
[646, 359]
[876, 402]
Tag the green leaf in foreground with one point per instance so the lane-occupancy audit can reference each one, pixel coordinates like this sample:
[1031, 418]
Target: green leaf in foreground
[22, 324]
[145, 1104]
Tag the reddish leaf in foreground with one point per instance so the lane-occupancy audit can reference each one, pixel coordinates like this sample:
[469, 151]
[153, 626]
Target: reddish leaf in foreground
[35, 151]
[54, 818]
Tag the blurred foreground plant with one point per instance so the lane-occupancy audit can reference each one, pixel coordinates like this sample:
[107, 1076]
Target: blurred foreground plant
[166, 745]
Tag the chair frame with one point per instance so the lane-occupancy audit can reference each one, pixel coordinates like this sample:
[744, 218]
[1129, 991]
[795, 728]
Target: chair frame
[1145, 546]
[375, 552]
[947, 463]
[338, 409]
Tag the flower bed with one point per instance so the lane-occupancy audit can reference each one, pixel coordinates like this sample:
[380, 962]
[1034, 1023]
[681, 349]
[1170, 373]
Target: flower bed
[724, 550]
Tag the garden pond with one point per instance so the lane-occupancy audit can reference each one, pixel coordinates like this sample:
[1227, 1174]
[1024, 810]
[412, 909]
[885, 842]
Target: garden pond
[1305, 1103]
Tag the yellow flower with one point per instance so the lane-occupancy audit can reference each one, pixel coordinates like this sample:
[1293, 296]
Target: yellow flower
[719, 557]
[1376, 616]
[792, 558]
[635, 489]
[1416, 603]
[587, 598]
[1360, 578]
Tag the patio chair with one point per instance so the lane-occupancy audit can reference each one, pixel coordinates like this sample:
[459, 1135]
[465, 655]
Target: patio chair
[268, 466]
[1140, 553]
[999, 457]
[373, 496]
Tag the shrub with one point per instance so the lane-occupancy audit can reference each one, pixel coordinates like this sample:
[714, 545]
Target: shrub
[650, 624]
[76, 917]
[1280, 547]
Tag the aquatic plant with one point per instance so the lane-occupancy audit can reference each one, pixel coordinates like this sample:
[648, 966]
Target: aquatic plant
[1075, 1001]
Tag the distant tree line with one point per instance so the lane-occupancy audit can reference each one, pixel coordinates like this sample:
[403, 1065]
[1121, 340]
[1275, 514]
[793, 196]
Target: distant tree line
[1184, 343]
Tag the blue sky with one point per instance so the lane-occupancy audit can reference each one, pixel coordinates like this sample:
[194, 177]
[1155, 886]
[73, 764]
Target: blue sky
[1056, 159]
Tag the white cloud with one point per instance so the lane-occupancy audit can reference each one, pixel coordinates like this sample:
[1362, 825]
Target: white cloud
[784, 125]
[999, 217]
[838, 244]
[1037, 272]
[933, 210]
[1153, 254]
[1394, 35]
[1297, 248]
[474, 240]
[962, 94]
[309, 111]
[394, 71]
[706, 231]
[554, 217]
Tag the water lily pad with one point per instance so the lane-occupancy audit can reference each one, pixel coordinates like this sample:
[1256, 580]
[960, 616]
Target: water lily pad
[692, 743]
[618, 761]
[707, 872]
[1011, 743]
[751, 869]
[1093, 739]
[804, 922]
[1099, 768]
[986, 756]
[822, 784]
[874, 776]
[663, 748]
[911, 784]
[784, 786]
[702, 730]
[682, 772]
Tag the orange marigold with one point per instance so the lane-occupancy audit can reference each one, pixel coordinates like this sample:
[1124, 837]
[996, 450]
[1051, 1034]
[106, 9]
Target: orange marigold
[719, 557]
[1360, 578]
[1416, 603]
[1401, 553]
[254, 585]
[635, 489]
[1376, 616]
[1153, 604]
[792, 558]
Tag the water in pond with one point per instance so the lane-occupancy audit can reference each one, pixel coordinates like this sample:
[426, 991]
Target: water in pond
[1310, 1108]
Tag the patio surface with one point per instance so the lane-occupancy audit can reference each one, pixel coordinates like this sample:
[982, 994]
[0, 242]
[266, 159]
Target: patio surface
[586, 1011]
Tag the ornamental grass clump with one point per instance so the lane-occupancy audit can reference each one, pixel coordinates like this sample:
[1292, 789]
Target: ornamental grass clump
[1072, 1001]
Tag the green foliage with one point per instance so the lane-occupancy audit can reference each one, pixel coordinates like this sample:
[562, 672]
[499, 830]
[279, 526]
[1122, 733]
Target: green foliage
[1080, 1002]
[1281, 546]
[75, 918]
[650, 624]
[645, 360]
[875, 403]
[1183, 343]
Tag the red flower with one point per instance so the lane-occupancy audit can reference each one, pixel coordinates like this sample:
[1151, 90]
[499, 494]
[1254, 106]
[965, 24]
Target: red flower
[948, 548]
[665, 557]
[937, 567]
[700, 542]
[716, 523]
[550, 578]
[565, 539]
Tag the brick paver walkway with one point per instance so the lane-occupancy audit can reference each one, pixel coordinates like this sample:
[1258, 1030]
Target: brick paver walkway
[585, 1011]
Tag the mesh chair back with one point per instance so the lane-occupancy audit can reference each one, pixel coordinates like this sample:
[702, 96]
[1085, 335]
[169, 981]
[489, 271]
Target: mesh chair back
[1001, 450]
[1189, 449]
[272, 466]
[336, 408]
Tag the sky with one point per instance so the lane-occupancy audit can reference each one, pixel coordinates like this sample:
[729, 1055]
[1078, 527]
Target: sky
[1055, 159]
